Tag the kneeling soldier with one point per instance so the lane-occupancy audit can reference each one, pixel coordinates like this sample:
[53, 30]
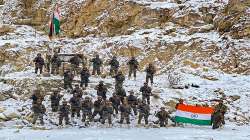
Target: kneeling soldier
[64, 113]
[39, 110]
[163, 117]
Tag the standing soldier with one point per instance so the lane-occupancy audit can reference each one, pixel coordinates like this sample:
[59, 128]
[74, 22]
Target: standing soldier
[36, 96]
[78, 91]
[116, 101]
[107, 112]
[132, 101]
[75, 106]
[64, 113]
[163, 117]
[87, 106]
[55, 99]
[39, 63]
[146, 92]
[114, 66]
[98, 106]
[119, 79]
[121, 93]
[68, 79]
[101, 90]
[48, 57]
[56, 63]
[75, 63]
[84, 76]
[144, 111]
[218, 117]
[125, 112]
[150, 70]
[39, 110]
[97, 64]
[133, 66]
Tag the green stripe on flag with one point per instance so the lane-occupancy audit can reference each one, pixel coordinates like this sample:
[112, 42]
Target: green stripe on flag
[57, 26]
[192, 121]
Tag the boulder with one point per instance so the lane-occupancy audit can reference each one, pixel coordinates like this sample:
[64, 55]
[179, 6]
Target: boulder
[2, 109]
[235, 97]
[11, 115]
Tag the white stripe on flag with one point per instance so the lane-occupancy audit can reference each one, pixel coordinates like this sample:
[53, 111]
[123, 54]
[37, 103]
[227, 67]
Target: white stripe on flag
[191, 115]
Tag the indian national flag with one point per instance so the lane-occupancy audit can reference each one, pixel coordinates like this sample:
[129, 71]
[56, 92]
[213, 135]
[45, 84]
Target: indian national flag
[54, 25]
[193, 114]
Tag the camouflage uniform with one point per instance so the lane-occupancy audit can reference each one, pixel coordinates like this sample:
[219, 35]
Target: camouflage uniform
[55, 99]
[78, 91]
[75, 106]
[132, 101]
[75, 63]
[84, 76]
[121, 93]
[97, 64]
[146, 92]
[133, 66]
[39, 110]
[98, 106]
[68, 79]
[48, 57]
[115, 102]
[36, 96]
[101, 90]
[114, 66]
[163, 117]
[119, 79]
[87, 106]
[144, 111]
[56, 63]
[39, 63]
[218, 115]
[107, 112]
[125, 112]
[64, 111]
[150, 70]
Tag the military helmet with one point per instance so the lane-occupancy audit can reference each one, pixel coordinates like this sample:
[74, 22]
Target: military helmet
[64, 101]
[87, 98]
[119, 72]
[99, 97]
[181, 100]
[101, 82]
[145, 83]
[131, 92]
[39, 54]
[162, 108]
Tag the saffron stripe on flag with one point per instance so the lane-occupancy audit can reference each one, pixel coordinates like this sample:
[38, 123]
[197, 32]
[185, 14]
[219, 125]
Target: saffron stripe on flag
[192, 121]
[195, 109]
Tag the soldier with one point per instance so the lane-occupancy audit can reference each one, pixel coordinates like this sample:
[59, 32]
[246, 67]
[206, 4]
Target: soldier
[98, 106]
[56, 63]
[107, 112]
[146, 92]
[55, 99]
[133, 66]
[64, 113]
[125, 112]
[163, 117]
[150, 70]
[75, 106]
[48, 57]
[116, 101]
[119, 79]
[180, 102]
[97, 64]
[68, 79]
[75, 63]
[84, 76]
[132, 101]
[39, 63]
[144, 111]
[87, 106]
[114, 66]
[101, 90]
[36, 96]
[218, 115]
[121, 93]
[39, 110]
[78, 91]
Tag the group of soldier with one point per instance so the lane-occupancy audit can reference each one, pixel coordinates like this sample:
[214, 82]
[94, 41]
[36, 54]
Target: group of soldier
[119, 102]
